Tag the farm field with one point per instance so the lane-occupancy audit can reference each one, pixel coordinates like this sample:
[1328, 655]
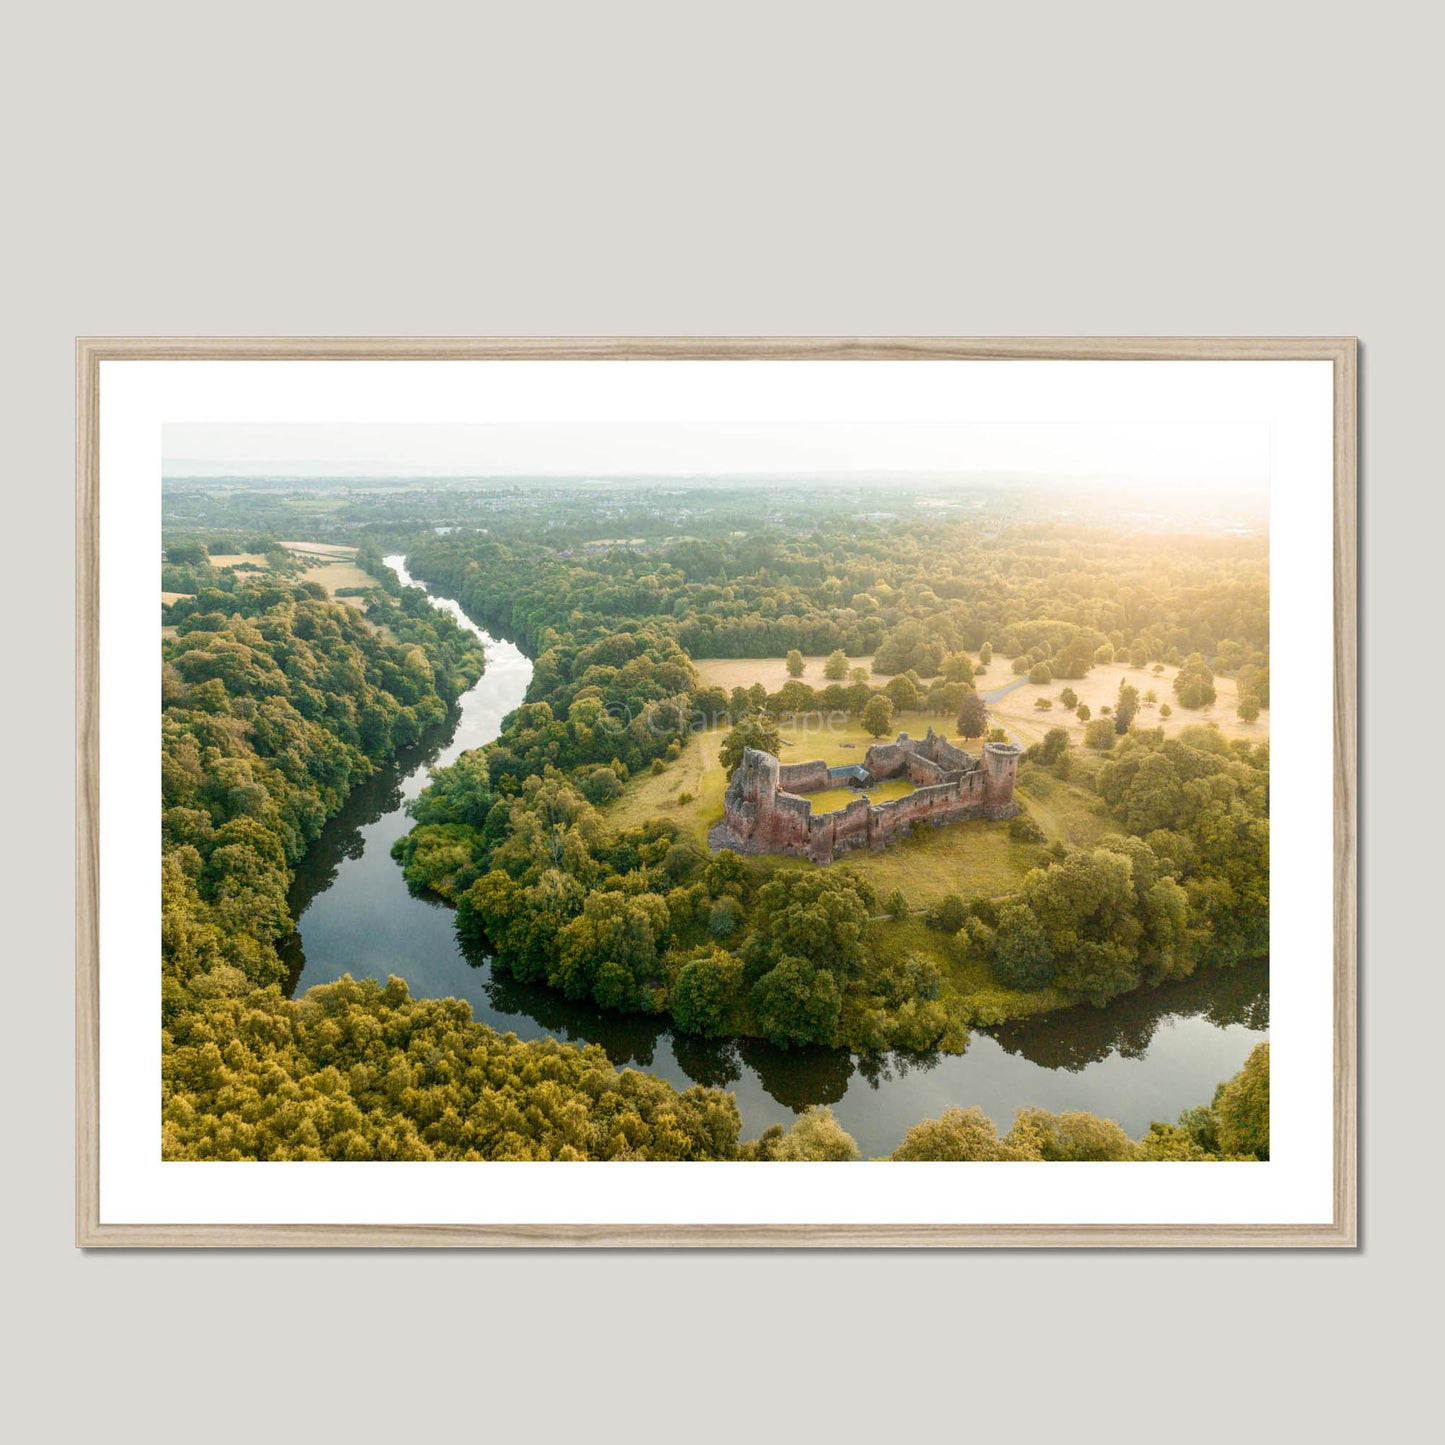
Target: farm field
[254, 560]
[338, 574]
[332, 566]
[320, 549]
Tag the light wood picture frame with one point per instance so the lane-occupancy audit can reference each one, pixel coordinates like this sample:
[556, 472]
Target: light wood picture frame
[93, 1231]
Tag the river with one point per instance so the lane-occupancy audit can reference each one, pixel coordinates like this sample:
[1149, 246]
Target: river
[1147, 1056]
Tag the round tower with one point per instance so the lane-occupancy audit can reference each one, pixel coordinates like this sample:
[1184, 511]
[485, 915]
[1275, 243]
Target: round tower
[1001, 765]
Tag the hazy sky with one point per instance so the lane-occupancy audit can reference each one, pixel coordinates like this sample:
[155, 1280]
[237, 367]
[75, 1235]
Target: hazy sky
[1229, 457]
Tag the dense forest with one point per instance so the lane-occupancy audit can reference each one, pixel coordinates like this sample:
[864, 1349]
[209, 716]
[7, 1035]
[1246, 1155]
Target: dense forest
[278, 700]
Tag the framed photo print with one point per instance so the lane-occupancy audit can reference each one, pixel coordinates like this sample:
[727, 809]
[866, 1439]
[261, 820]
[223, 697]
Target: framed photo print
[825, 790]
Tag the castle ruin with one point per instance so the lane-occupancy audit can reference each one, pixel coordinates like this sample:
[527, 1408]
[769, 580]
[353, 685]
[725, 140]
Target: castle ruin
[766, 810]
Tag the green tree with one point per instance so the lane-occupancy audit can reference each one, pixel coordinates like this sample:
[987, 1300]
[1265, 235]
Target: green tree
[707, 991]
[1248, 709]
[835, 669]
[1021, 955]
[1054, 746]
[794, 697]
[966, 1135]
[1040, 672]
[1194, 682]
[949, 914]
[972, 717]
[1241, 1108]
[795, 663]
[878, 715]
[902, 693]
[1071, 1137]
[817, 1136]
[1088, 909]
[756, 730]
[818, 917]
[1125, 707]
[957, 668]
[798, 1003]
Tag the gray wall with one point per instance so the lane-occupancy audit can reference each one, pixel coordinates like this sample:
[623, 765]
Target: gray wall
[834, 169]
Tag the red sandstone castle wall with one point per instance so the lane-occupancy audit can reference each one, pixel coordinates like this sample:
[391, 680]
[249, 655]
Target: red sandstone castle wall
[804, 777]
[761, 816]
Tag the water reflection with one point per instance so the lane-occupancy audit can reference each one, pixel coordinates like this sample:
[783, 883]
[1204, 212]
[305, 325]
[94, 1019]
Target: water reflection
[1077, 1037]
[344, 837]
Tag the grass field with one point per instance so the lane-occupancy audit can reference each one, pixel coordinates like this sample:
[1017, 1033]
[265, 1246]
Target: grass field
[255, 560]
[975, 859]
[772, 672]
[333, 567]
[656, 795]
[333, 575]
[830, 800]
[1017, 711]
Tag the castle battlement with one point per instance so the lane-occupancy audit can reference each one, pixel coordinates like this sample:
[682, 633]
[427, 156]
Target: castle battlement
[765, 808]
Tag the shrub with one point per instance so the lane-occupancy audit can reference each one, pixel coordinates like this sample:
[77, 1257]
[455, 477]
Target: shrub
[948, 913]
[725, 916]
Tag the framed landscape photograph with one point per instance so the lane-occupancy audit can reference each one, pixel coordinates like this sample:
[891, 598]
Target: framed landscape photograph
[705, 761]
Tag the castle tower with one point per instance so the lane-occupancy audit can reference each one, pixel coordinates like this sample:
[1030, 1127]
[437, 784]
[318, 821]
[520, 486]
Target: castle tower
[751, 794]
[758, 773]
[1001, 765]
